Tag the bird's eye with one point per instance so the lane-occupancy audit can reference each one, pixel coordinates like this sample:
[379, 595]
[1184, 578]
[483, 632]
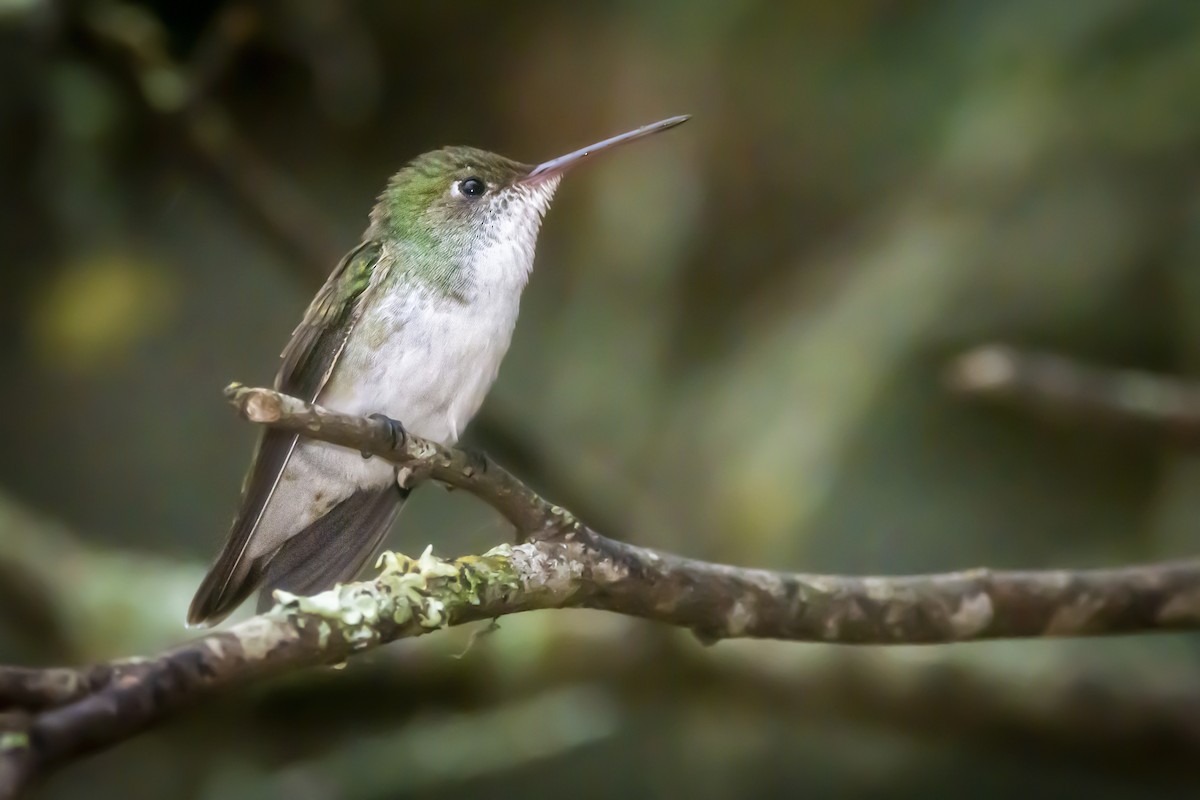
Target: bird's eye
[472, 187]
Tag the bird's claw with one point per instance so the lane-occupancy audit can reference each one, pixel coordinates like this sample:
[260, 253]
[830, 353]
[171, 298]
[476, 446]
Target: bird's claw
[397, 436]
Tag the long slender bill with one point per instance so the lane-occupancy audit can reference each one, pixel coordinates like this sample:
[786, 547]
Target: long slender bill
[557, 166]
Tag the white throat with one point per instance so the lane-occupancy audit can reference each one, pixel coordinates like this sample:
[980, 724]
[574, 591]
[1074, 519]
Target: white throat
[504, 251]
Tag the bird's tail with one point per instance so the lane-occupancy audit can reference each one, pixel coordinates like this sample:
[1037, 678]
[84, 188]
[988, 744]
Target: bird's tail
[334, 548]
[331, 550]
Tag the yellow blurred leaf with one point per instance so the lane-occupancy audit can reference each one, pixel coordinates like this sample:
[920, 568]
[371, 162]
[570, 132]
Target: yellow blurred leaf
[93, 312]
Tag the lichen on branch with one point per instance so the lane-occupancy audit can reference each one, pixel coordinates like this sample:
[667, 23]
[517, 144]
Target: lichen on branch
[409, 596]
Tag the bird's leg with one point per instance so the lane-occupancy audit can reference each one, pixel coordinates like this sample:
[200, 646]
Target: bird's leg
[406, 477]
[397, 437]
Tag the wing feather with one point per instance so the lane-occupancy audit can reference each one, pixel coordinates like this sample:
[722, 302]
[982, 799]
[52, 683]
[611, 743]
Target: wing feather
[308, 361]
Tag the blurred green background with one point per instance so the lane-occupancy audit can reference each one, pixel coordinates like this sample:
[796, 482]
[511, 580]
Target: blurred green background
[733, 347]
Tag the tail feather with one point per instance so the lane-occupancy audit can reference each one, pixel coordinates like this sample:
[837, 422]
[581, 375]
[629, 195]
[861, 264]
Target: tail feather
[221, 592]
[334, 548]
[235, 572]
[331, 550]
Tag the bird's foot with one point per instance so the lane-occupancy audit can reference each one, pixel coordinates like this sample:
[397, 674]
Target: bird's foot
[397, 436]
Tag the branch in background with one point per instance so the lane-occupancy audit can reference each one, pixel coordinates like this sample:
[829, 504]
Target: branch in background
[566, 564]
[1064, 389]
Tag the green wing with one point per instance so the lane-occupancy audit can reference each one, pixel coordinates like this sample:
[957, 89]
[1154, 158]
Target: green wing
[308, 361]
[313, 351]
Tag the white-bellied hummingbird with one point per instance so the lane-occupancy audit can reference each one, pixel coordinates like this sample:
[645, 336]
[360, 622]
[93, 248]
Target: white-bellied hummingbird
[412, 324]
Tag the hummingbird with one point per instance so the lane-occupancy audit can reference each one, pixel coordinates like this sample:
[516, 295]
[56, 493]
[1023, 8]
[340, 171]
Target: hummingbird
[412, 324]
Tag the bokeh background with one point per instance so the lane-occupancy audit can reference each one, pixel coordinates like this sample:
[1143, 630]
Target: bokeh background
[733, 346]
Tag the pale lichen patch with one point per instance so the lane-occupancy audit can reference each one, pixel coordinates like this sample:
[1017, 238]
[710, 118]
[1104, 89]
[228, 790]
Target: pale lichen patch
[609, 570]
[772, 584]
[879, 589]
[740, 617]
[352, 610]
[215, 647]
[434, 616]
[430, 566]
[555, 572]
[821, 585]
[322, 604]
[973, 616]
[422, 451]
[323, 631]
[258, 636]
[426, 591]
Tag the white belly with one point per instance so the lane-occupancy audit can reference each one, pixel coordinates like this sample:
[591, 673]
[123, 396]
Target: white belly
[421, 359]
[424, 360]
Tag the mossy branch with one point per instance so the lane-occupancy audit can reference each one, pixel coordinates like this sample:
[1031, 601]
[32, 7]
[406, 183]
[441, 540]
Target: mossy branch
[559, 563]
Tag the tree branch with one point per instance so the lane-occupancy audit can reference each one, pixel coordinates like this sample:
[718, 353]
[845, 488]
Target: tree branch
[560, 563]
[721, 601]
[1065, 389]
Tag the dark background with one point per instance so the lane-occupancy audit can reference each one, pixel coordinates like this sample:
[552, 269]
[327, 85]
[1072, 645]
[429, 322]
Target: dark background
[733, 346]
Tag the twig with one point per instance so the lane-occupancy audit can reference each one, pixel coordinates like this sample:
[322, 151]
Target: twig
[565, 564]
[1068, 390]
[473, 471]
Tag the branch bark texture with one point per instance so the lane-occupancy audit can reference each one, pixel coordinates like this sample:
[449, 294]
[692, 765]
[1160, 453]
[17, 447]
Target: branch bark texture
[559, 562]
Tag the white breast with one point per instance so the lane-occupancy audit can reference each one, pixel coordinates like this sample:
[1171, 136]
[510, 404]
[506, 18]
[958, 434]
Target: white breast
[430, 360]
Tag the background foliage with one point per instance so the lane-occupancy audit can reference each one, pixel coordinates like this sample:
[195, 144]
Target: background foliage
[733, 347]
